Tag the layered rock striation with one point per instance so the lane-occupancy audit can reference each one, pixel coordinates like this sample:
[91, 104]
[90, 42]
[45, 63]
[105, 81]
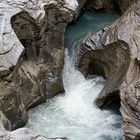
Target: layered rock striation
[113, 52]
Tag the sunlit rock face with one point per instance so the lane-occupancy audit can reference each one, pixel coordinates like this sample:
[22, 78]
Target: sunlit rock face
[114, 51]
[31, 53]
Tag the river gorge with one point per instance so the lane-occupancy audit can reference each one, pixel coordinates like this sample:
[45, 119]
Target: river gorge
[69, 69]
[73, 114]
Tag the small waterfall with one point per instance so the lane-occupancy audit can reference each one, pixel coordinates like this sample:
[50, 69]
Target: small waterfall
[73, 114]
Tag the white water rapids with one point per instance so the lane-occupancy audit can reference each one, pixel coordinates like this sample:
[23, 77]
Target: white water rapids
[73, 114]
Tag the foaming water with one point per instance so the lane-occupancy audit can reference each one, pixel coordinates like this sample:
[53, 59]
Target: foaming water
[73, 114]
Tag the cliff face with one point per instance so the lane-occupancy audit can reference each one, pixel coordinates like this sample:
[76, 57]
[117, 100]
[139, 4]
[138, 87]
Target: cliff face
[114, 52]
[32, 53]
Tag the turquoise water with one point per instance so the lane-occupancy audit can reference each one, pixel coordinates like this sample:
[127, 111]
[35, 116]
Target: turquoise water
[73, 114]
[88, 23]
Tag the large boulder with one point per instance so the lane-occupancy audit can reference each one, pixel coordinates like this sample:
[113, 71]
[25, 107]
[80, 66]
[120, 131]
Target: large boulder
[114, 53]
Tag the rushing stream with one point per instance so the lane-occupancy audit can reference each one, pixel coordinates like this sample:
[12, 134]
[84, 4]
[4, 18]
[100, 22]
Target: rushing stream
[73, 114]
[88, 23]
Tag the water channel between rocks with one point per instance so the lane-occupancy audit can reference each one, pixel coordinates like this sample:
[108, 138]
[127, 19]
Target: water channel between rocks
[73, 114]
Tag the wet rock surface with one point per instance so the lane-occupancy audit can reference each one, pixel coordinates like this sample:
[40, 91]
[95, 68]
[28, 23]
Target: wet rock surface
[113, 53]
[32, 53]
[31, 58]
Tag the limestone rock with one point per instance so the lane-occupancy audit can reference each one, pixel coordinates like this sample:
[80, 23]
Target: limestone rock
[114, 52]
[31, 53]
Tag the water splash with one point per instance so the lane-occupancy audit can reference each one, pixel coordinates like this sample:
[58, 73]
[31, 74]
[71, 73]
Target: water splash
[73, 114]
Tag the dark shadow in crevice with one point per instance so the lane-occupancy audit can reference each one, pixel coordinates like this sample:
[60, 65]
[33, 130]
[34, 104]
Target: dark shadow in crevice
[114, 104]
[111, 62]
[27, 32]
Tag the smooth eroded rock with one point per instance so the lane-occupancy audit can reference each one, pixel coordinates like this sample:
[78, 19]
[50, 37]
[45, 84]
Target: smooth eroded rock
[114, 52]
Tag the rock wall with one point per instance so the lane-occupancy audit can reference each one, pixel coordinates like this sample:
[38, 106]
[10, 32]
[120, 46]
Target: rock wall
[31, 53]
[113, 53]
[120, 5]
[101, 4]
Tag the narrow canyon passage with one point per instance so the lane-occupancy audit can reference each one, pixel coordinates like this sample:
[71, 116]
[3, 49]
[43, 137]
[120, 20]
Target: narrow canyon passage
[72, 114]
